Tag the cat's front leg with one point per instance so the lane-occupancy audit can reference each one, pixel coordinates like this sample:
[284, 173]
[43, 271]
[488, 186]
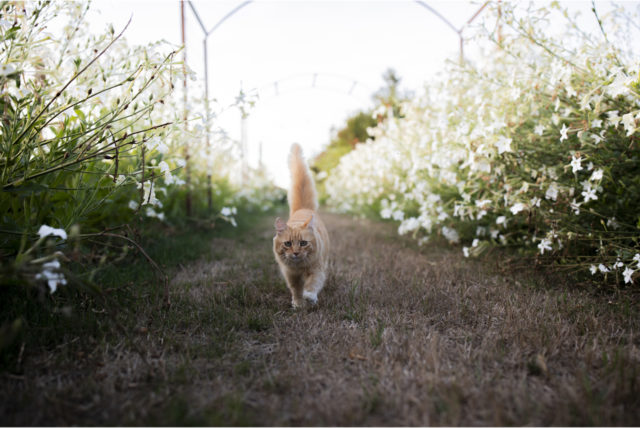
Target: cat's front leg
[313, 285]
[295, 284]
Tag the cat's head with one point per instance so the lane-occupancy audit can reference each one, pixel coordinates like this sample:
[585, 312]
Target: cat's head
[295, 245]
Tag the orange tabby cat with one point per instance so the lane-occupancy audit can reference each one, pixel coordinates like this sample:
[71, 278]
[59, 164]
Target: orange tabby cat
[301, 245]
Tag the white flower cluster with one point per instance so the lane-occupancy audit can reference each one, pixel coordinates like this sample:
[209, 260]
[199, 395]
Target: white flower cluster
[227, 213]
[51, 269]
[518, 147]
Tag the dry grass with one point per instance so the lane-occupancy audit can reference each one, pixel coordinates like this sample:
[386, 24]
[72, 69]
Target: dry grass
[401, 336]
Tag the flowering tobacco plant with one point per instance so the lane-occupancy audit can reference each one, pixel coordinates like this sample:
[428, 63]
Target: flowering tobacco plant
[91, 137]
[536, 147]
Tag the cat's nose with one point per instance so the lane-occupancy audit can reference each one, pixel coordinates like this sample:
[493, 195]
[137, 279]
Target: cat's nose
[296, 254]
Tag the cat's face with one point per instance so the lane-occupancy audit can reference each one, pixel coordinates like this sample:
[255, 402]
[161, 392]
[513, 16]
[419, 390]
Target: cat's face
[294, 245]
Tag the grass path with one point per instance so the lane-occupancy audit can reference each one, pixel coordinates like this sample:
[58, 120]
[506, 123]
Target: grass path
[401, 336]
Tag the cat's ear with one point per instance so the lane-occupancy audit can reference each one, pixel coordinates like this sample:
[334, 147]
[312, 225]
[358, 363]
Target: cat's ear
[280, 225]
[311, 223]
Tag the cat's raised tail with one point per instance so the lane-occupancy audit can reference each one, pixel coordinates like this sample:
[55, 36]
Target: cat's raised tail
[302, 193]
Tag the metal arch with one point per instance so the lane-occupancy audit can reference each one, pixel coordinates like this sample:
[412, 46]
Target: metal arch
[315, 83]
[436, 13]
[221, 21]
[458, 31]
[207, 33]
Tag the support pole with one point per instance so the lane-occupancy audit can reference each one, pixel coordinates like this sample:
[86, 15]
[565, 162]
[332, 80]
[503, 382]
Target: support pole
[206, 125]
[187, 154]
[243, 148]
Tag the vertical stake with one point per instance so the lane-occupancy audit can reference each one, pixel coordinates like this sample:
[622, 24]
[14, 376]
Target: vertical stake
[187, 154]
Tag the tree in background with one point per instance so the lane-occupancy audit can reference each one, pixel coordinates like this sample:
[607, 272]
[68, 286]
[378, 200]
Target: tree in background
[388, 98]
[345, 140]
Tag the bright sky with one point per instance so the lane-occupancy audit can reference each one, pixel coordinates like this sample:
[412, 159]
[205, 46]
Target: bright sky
[343, 42]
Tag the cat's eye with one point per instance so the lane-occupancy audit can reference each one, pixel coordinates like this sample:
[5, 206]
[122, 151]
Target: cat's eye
[287, 243]
[303, 243]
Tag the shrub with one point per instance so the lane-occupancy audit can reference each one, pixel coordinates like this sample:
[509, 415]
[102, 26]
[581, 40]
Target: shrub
[534, 147]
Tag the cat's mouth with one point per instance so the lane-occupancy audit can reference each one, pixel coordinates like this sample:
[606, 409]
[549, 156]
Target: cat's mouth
[295, 259]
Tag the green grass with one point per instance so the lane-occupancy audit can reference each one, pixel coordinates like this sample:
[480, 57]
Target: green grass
[400, 337]
[106, 307]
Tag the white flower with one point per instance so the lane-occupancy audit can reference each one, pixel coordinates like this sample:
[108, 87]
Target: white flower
[163, 148]
[589, 194]
[398, 215]
[593, 269]
[149, 196]
[45, 231]
[6, 69]
[545, 244]
[596, 123]
[552, 192]
[502, 220]
[465, 251]
[597, 138]
[226, 211]
[150, 212]
[386, 213]
[164, 167]
[636, 258]
[612, 223]
[627, 275]
[484, 203]
[515, 209]
[570, 91]
[409, 225]
[451, 235]
[166, 171]
[53, 278]
[539, 129]
[596, 175]
[503, 144]
[133, 205]
[576, 164]
[619, 84]
[629, 123]
[602, 268]
[612, 118]
[575, 206]
[535, 202]
[563, 132]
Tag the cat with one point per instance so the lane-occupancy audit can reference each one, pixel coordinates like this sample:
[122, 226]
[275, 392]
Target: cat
[301, 245]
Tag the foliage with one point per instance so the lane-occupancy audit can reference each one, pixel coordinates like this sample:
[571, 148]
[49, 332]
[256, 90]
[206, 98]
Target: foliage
[344, 141]
[357, 129]
[390, 96]
[535, 147]
[92, 142]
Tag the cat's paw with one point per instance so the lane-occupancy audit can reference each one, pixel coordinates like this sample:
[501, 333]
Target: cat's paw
[311, 297]
[297, 304]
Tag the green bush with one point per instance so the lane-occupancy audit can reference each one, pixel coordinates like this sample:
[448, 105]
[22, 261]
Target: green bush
[535, 147]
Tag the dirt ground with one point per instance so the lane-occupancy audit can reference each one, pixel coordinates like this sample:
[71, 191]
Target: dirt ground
[402, 335]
